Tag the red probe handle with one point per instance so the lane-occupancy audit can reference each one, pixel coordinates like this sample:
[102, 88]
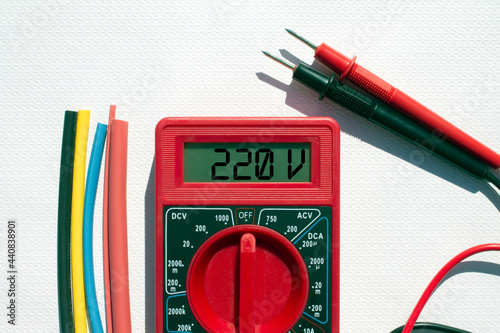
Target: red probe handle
[404, 103]
[375, 86]
[370, 82]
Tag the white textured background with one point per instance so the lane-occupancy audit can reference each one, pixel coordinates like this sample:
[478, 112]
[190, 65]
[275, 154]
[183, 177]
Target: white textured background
[404, 213]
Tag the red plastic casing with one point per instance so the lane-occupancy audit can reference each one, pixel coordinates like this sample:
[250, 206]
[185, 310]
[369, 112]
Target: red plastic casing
[324, 189]
[372, 84]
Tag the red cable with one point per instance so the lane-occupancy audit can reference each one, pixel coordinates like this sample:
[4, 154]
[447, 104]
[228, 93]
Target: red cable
[439, 276]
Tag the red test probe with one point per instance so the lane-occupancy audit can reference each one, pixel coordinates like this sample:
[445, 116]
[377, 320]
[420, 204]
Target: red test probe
[366, 80]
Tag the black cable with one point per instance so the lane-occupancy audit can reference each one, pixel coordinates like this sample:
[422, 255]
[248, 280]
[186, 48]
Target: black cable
[431, 327]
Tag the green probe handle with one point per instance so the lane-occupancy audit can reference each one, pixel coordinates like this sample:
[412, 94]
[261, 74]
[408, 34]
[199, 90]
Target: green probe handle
[383, 115]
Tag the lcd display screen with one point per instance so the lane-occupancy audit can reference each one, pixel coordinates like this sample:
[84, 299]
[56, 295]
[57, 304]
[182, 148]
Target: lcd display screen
[282, 162]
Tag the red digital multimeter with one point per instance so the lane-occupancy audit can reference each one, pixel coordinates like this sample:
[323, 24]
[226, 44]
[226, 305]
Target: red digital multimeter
[247, 225]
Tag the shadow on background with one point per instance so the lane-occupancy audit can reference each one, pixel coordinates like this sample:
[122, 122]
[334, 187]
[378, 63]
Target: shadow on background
[149, 257]
[306, 102]
[484, 267]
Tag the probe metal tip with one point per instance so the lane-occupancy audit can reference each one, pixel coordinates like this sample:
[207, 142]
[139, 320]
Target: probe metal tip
[305, 41]
[281, 61]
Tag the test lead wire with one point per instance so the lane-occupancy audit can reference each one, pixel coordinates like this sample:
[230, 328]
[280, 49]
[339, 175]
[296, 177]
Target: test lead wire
[388, 118]
[375, 86]
[436, 281]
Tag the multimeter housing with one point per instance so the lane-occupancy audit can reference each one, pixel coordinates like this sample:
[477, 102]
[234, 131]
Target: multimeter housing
[190, 207]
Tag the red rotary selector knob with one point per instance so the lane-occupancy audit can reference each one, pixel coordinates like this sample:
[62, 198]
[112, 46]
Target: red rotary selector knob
[247, 279]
